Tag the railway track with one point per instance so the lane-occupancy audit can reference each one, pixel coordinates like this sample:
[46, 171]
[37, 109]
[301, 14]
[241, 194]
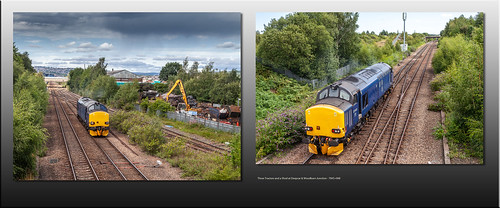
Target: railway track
[387, 132]
[80, 165]
[196, 143]
[193, 142]
[124, 167]
[308, 158]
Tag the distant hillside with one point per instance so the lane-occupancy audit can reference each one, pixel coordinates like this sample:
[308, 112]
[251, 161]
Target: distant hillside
[53, 71]
[147, 73]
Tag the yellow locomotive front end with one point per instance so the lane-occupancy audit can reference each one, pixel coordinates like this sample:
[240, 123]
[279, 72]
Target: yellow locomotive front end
[325, 124]
[98, 123]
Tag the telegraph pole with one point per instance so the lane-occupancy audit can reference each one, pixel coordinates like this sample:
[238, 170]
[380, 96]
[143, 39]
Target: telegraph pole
[404, 31]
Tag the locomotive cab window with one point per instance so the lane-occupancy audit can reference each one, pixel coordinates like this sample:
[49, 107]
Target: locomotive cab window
[323, 94]
[334, 92]
[97, 107]
[345, 95]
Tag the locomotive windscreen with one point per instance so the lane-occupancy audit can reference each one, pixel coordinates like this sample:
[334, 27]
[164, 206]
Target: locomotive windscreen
[97, 107]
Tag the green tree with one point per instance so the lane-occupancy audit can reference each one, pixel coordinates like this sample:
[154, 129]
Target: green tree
[103, 88]
[193, 71]
[126, 96]
[30, 100]
[170, 69]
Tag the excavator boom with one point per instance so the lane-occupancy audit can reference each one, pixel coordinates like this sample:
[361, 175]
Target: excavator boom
[179, 82]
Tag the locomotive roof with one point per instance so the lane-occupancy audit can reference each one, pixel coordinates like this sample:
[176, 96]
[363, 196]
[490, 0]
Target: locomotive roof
[364, 77]
[87, 101]
[337, 102]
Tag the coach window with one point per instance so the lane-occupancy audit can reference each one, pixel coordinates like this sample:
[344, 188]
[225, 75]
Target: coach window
[355, 99]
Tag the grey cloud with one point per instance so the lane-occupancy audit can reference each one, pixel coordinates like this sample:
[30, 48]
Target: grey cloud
[228, 45]
[167, 25]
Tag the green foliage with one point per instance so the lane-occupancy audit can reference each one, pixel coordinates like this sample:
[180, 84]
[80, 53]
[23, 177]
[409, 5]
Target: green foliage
[275, 92]
[103, 88]
[170, 69]
[146, 131]
[201, 130]
[309, 44]
[280, 130]
[144, 105]
[449, 52]
[30, 102]
[93, 82]
[161, 87]
[148, 135]
[160, 105]
[459, 59]
[461, 25]
[210, 85]
[126, 96]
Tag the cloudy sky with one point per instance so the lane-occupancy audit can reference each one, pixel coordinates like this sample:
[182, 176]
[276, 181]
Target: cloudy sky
[138, 42]
[420, 22]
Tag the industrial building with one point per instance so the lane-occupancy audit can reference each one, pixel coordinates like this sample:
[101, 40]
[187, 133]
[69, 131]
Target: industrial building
[124, 76]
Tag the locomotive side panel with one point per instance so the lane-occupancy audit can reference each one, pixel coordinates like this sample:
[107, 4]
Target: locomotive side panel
[364, 90]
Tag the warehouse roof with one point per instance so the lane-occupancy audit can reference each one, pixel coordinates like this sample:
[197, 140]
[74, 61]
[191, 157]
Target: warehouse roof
[122, 74]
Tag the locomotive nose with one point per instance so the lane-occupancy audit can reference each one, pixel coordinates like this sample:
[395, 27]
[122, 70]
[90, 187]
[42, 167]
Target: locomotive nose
[325, 120]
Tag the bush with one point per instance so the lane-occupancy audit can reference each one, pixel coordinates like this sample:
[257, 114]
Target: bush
[144, 105]
[148, 136]
[280, 130]
[161, 105]
[126, 96]
[30, 102]
[275, 92]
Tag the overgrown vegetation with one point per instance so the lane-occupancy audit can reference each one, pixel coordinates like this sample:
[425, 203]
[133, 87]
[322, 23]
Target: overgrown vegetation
[275, 92]
[201, 130]
[146, 131]
[460, 85]
[208, 85]
[30, 101]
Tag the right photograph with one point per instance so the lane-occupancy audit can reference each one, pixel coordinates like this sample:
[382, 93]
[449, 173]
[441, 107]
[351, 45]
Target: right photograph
[369, 88]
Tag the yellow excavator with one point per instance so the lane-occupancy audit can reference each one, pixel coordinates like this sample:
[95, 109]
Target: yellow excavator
[179, 82]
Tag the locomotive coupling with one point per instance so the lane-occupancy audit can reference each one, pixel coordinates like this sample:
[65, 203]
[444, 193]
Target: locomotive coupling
[333, 142]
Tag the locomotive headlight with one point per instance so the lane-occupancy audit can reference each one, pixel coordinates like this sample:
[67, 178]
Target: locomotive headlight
[336, 131]
[106, 122]
[308, 128]
[92, 123]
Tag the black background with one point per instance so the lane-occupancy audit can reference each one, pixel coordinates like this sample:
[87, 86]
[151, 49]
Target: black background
[372, 185]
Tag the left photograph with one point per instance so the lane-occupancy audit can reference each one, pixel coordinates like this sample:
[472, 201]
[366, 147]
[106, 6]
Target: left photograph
[126, 96]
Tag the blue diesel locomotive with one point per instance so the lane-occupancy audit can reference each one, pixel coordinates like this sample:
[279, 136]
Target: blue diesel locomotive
[343, 106]
[94, 116]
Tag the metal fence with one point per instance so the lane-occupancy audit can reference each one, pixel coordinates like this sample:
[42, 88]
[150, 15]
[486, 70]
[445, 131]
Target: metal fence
[184, 117]
[315, 83]
[208, 123]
